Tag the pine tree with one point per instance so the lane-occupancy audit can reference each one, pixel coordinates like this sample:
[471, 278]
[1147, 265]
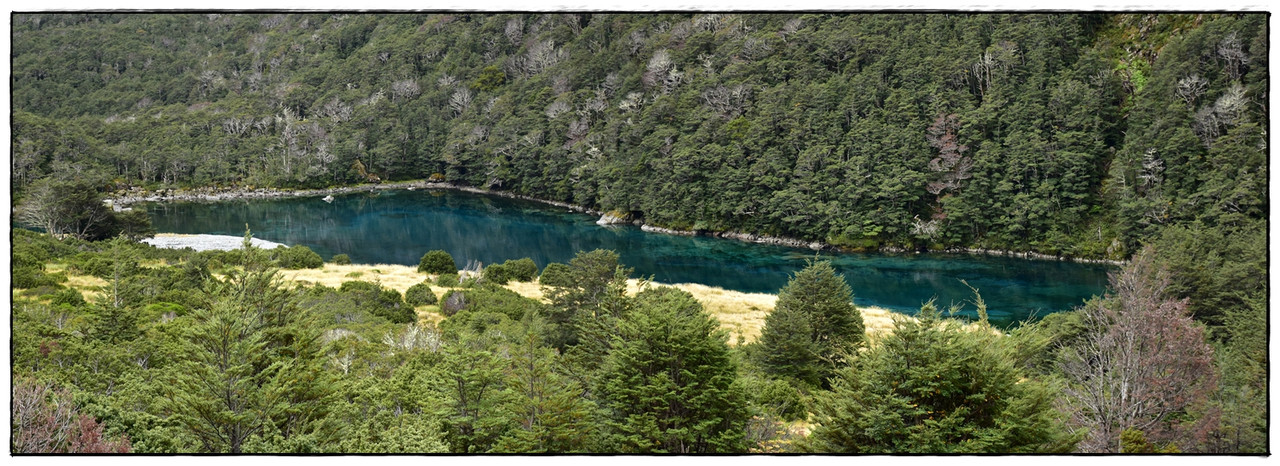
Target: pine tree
[669, 385]
[933, 386]
[820, 300]
[549, 412]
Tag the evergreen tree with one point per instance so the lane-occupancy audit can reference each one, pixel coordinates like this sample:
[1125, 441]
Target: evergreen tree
[812, 327]
[933, 386]
[669, 385]
[550, 413]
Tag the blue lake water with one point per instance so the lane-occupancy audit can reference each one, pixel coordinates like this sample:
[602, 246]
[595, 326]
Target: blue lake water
[398, 227]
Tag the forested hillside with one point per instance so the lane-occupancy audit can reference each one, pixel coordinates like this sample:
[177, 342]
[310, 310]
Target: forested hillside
[1132, 137]
[1067, 134]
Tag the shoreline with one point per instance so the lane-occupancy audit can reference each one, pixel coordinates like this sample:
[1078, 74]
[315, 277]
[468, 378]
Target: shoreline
[606, 219]
[206, 242]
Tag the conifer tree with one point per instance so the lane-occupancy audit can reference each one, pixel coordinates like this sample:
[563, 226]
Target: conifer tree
[669, 385]
[933, 386]
[819, 300]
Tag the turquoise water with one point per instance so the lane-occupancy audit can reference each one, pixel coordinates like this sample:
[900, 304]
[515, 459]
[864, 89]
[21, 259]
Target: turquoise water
[398, 227]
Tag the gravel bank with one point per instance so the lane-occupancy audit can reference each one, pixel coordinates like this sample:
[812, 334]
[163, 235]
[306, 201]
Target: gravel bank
[205, 242]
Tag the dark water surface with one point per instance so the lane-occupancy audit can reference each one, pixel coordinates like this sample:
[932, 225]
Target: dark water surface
[398, 227]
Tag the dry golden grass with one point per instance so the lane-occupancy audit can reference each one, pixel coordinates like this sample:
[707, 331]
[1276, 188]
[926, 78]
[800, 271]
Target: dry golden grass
[88, 285]
[397, 277]
[741, 314]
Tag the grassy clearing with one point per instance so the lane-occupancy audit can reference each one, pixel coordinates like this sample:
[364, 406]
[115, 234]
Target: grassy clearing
[397, 277]
[741, 314]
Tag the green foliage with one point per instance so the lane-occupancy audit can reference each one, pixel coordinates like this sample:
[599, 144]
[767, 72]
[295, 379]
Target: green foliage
[934, 386]
[447, 280]
[250, 374]
[669, 385]
[376, 300]
[556, 274]
[521, 270]
[475, 410]
[420, 295]
[548, 412]
[589, 302]
[32, 277]
[812, 327]
[341, 259]
[497, 274]
[437, 262]
[297, 257]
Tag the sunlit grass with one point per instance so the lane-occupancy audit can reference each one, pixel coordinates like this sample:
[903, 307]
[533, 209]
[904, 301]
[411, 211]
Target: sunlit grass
[740, 314]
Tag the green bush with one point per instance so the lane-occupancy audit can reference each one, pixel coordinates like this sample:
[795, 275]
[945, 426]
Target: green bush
[437, 262]
[521, 270]
[420, 295]
[297, 257]
[556, 274]
[497, 274]
[22, 259]
[342, 259]
[447, 280]
[31, 277]
[493, 298]
[379, 301]
[69, 296]
[89, 263]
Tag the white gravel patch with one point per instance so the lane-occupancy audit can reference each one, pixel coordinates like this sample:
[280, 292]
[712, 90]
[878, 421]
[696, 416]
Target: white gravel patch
[206, 242]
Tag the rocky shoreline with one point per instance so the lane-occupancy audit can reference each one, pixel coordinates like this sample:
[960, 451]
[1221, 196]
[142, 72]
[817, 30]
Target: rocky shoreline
[607, 219]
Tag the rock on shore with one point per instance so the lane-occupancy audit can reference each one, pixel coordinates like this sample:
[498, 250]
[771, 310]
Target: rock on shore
[205, 242]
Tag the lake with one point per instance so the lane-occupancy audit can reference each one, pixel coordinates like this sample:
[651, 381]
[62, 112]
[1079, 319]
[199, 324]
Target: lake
[399, 226]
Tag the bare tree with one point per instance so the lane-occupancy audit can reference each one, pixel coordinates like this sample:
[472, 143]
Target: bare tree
[63, 207]
[515, 30]
[44, 420]
[1231, 52]
[556, 109]
[404, 89]
[460, 100]
[950, 162]
[1141, 360]
[662, 72]
[729, 102]
[1190, 88]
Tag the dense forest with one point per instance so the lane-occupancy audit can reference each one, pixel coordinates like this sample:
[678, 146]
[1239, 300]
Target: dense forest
[1079, 135]
[1136, 137]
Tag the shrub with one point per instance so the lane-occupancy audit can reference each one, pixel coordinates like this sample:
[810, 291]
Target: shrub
[556, 274]
[379, 301]
[437, 262]
[88, 263]
[493, 298]
[497, 274]
[298, 257]
[469, 282]
[30, 277]
[342, 259]
[521, 270]
[447, 279]
[22, 259]
[420, 295]
[68, 296]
